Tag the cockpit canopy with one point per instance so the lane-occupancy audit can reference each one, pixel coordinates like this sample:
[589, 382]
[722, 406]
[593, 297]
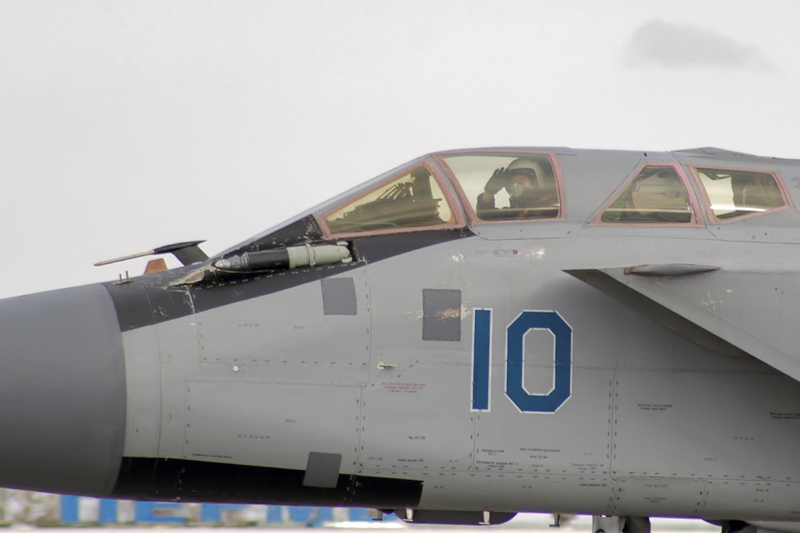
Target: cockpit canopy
[483, 188]
[413, 200]
[446, 191]
[502, 187]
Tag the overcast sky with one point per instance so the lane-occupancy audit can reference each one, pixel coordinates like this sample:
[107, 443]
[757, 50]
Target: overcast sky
[129, 125]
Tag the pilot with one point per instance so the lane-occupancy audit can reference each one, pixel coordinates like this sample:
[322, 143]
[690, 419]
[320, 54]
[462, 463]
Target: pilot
[521, 184]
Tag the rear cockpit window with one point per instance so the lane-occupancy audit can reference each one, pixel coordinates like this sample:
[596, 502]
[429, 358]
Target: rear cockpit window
[657, 195]
[507, 187]
[413, 200]
[736, 193]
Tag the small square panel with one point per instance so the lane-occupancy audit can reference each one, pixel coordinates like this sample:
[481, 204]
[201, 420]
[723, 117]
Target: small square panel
[441, 315]
[322, 470]
[339, 296]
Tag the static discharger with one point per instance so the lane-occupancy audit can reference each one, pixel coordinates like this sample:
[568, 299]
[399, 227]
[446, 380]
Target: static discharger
[287, 258]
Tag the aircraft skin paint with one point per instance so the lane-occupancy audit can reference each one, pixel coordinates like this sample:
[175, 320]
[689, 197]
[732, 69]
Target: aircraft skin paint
[62, 391]
[651, 424]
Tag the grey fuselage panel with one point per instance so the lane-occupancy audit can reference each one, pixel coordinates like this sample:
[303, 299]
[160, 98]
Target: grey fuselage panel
[574, 357]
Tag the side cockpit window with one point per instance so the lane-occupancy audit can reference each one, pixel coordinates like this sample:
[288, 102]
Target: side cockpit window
[657, 195]
[413, 200]
[736, 193]
[507, 187]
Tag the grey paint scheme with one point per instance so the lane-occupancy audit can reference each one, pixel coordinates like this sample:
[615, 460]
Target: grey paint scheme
[258, 385]
[62, 392]
[322, 470]
[441, 315]
[339, 296]
[656, 424]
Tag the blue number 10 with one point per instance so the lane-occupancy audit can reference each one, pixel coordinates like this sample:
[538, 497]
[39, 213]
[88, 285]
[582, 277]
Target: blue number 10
[515, 362]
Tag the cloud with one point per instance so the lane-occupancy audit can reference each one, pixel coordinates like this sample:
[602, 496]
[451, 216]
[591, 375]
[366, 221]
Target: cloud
[676, 46]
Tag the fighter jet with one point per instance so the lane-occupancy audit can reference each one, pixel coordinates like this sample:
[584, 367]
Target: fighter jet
[473, 334]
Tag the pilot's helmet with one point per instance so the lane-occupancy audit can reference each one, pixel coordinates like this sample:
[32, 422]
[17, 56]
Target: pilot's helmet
[522, 165]
[520, 177]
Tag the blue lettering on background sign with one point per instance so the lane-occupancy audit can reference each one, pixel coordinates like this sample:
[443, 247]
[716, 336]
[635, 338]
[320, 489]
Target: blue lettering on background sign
[515, 361]
[210, 513]
[150, 512]
[157, 512]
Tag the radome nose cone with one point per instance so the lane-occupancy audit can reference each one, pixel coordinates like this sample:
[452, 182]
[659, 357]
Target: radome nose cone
[62, 391]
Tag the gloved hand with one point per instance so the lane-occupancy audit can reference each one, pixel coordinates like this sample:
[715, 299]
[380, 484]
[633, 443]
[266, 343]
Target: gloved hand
[497, 181]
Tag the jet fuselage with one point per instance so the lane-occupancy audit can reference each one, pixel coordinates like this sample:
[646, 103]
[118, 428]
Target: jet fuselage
[621, 341]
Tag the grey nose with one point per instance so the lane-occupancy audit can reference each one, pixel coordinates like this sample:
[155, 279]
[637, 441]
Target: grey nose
[62, 392]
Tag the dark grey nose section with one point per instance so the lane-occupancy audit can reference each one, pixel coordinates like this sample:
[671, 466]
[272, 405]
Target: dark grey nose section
[62, 392]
